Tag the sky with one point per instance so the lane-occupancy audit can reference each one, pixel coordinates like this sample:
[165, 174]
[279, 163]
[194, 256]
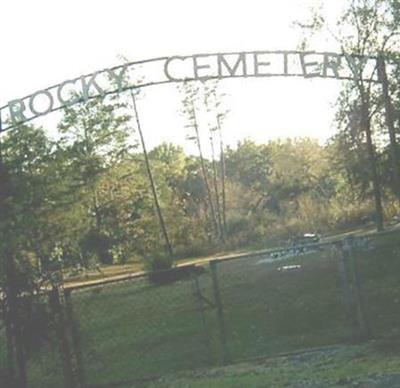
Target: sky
[46, 42]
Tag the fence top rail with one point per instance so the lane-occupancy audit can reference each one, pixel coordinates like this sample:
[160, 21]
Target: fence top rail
[144, 274]
[334, 241]
[103, 282]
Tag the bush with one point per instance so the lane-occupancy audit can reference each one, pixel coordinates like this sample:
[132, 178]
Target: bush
[161, 270]
[159, 263]
[174, 274]
[98, 244]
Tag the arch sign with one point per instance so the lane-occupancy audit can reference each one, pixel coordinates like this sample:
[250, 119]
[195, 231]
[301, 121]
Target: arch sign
[163, 70]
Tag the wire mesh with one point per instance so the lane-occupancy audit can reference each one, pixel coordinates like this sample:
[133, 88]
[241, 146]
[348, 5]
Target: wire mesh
[282, 301]
[3, 347]
[135, 330]
[44, 364]
[237, 308]
[377, 264]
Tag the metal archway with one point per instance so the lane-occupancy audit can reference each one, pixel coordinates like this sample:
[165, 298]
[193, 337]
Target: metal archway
[164, 70]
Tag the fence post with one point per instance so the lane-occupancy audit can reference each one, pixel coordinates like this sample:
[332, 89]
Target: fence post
[359, 294]
[76, 339]
[355, 294]
[200, 306]
[347, 291]
[220, 311]
[62, 337]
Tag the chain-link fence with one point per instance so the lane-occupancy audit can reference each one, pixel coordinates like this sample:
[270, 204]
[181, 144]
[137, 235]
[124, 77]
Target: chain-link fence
[281, 301]
[3, 348]
[226, 310]
[30, 342]
[374, 262]
[137, 330]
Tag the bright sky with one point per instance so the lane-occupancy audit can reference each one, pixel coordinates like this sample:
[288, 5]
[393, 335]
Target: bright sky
[45, 42]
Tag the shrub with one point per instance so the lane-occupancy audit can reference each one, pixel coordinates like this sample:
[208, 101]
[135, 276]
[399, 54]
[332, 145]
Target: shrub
[174, 274]
[159, 263]
[98, 244]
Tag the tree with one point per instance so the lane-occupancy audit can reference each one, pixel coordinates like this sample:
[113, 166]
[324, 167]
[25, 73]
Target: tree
[29, 161]
[212, 102]
[367, 27]
[191, 93]
[96, 137]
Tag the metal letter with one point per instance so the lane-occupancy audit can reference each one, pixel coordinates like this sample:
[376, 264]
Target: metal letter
[32, 99]
[69, 101]
[16, 108]
[333, 62]
[197, 67]
[166, 68]
[285, 63]
[356, 68]
[118, 78]
[231, 70]
[257, 64]
[305, 64]
[87, 84]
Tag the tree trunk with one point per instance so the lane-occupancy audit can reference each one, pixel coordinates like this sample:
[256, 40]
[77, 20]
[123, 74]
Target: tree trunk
[215, 181]
[390, 118]
[203, 168]
[366, 126]
[222, 161]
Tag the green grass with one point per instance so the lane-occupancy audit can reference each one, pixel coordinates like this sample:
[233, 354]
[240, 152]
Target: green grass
[135, 330]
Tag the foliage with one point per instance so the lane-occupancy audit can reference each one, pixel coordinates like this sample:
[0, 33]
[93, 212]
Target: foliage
[86, 198]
